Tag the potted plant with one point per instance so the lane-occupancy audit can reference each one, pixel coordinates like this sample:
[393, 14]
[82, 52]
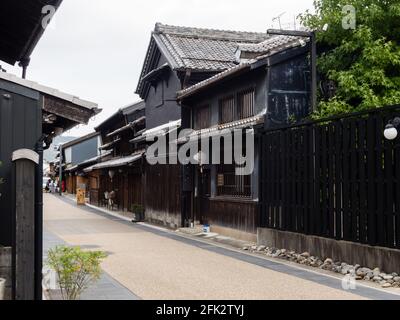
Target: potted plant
[75, 269]
[138, 211]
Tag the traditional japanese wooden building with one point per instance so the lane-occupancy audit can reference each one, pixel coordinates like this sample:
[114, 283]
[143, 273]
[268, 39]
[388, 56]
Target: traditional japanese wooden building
[270, 86]
[177, 58]
[77, 154]
[31, 115]
[119, 168]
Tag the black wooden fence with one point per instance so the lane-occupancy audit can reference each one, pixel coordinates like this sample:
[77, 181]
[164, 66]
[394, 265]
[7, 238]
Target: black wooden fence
[337, 178]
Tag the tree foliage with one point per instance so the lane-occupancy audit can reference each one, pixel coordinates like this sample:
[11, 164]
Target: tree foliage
[364, 63]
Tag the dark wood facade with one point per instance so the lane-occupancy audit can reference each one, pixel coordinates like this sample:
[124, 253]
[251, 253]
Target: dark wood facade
[271, 92]
[128, 178]
[163, 195]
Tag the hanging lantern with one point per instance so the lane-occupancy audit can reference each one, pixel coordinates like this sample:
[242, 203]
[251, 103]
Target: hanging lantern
[111, 174]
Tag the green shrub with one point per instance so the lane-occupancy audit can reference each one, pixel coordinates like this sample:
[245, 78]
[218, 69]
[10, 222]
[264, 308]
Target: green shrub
[137, 209]
[76, 269]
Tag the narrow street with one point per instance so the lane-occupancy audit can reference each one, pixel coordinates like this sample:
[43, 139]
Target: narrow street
[154, 265]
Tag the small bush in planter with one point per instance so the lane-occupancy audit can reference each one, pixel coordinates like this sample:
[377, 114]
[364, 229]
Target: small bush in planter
[76, 269]
[138, 210]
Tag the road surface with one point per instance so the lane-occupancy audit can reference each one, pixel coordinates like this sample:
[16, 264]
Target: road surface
[154, 266]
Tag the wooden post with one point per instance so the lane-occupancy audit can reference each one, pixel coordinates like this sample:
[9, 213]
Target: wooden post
[25, 164]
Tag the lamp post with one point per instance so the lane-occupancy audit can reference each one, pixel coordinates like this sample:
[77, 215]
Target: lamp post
[311, 36]
[391, 131]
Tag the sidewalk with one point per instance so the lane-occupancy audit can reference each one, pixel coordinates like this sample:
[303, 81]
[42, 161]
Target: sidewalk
[105, 289]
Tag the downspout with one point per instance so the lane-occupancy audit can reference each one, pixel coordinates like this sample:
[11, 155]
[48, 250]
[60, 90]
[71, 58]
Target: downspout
[39, 216]
[24, 63]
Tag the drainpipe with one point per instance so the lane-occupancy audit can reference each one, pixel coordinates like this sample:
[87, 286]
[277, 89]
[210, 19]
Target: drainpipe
[24, 63]
[39, 221]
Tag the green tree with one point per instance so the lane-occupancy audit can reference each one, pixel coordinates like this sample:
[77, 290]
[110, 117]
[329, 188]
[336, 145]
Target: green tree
[364, 63]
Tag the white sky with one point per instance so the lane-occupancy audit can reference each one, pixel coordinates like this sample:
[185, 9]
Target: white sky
[94, 49]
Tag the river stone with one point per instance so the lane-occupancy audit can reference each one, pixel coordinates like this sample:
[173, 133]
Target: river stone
[376, 272]
[305, 255]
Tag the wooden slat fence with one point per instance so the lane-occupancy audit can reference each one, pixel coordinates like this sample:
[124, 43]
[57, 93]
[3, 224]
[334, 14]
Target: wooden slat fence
[337, 178]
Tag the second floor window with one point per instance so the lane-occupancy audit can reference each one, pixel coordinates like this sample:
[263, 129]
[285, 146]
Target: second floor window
[202, 118]
[227, 110]
[246, 104]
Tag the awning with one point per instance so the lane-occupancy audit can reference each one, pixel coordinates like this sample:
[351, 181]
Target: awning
[116, 162]
[127, 127]
[158, 131]
[108, 146]
[223, 128]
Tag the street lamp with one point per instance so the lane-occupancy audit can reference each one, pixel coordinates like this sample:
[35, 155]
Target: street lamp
[391, 130]
[311, 36]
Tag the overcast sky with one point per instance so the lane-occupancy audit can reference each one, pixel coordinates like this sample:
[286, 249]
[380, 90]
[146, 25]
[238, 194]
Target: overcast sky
[94, 49]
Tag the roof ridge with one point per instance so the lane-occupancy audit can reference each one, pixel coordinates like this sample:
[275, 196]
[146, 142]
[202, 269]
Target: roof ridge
[218, 34]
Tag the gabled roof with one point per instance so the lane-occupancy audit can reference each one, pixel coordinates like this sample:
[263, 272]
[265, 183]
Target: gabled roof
[194, 49]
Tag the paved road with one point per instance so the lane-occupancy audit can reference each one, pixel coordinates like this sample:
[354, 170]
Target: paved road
[153, 265]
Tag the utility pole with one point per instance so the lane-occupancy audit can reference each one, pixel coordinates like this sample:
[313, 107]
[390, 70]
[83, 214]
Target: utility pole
[311, 36]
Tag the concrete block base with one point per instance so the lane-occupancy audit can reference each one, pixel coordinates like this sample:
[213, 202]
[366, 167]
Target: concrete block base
[232, 233]
[388, 260]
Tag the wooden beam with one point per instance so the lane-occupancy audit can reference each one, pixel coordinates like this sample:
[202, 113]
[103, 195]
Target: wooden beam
[67, 110]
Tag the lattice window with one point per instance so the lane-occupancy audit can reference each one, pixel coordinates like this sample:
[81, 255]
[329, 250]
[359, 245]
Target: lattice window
[246, 104]
[230, 184]
[227, 110]
[202, 117]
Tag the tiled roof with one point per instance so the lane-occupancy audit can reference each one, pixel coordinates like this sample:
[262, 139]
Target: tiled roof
[274, 43]
[116, 162]
[126, 127]
[189, 91]
[197, 49]
[203, 49]
[223, 129]
[262, 50]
